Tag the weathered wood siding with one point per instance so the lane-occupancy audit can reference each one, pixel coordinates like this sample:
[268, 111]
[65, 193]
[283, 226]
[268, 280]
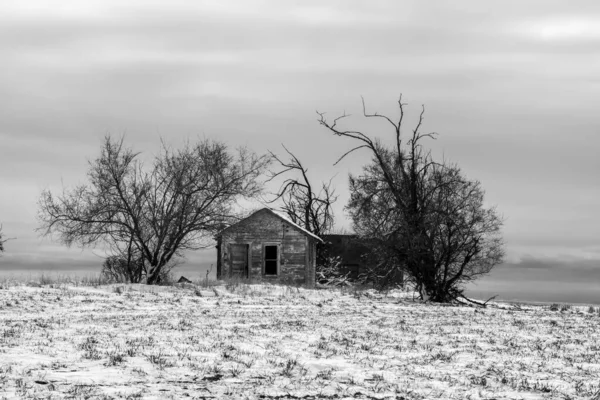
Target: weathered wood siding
[296, 249]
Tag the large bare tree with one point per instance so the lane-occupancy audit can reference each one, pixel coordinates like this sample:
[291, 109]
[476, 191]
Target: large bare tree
[151, 215]
[424, 217]
[304, 204]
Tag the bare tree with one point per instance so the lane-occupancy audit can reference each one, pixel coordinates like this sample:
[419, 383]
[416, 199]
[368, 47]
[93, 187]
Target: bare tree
[130, 268]
[121, 269]
[2, 241]
[425, 218]
[155, 213]
[309, 208]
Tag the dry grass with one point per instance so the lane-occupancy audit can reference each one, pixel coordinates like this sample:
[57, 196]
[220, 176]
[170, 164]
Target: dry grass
[69, 341]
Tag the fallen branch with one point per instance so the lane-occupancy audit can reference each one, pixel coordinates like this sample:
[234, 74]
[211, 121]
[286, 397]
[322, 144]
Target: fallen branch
[484, 304]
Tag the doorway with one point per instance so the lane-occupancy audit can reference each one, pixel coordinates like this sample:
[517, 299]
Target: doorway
[239, 260]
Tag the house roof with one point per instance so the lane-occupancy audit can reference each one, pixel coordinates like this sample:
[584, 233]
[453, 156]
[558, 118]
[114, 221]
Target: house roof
[280, 216]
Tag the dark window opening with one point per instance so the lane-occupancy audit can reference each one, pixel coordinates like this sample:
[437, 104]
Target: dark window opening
[271, 260]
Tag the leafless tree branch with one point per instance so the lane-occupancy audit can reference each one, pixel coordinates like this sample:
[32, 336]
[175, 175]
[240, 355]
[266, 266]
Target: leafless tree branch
[155, 213]
[300, 201]
[424, 216]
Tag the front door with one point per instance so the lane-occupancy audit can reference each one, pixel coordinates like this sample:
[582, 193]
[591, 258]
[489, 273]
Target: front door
[239, 260]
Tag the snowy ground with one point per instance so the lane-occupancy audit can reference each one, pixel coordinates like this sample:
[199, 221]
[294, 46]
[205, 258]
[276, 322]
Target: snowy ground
[269, 342]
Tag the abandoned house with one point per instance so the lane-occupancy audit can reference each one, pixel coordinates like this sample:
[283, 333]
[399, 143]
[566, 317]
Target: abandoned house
[267, 246]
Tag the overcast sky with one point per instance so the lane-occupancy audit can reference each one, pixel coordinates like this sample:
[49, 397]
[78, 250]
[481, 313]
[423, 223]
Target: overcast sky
[512, 87]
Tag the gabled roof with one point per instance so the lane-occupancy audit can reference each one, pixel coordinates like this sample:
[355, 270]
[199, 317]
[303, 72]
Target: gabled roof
[280, 216]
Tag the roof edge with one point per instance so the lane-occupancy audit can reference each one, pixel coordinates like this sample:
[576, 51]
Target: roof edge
[283, 218]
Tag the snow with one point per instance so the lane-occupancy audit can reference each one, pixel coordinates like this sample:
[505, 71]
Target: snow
[267, 341]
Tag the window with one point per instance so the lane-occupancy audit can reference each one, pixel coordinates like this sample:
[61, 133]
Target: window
[271, 253]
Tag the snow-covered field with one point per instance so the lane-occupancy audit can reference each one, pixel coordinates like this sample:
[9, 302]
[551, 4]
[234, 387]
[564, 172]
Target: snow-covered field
[270, 342]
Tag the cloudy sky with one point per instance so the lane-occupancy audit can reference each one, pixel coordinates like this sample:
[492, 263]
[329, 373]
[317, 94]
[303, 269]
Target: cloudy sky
[512, 87]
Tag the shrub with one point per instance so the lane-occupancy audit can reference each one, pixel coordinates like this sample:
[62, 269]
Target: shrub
[329, 272]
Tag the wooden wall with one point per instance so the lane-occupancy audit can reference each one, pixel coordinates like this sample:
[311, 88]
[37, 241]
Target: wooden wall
[296, 249]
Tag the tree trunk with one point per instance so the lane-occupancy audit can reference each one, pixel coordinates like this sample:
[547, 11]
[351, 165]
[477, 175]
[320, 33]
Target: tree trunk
[154, 277]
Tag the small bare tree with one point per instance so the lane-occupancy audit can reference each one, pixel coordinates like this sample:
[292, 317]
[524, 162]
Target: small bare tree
[126, 264]
[152, 215]
[310, 209]
[119, 269]
[303, 205]
[2, 241]
[425, 218]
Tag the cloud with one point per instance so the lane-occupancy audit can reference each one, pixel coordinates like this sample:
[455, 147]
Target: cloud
[532, 269]
[65, 265]
[567, 279]
[563, 28]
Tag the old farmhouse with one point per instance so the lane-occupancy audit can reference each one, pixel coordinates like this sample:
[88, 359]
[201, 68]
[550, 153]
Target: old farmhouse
[267, 246]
